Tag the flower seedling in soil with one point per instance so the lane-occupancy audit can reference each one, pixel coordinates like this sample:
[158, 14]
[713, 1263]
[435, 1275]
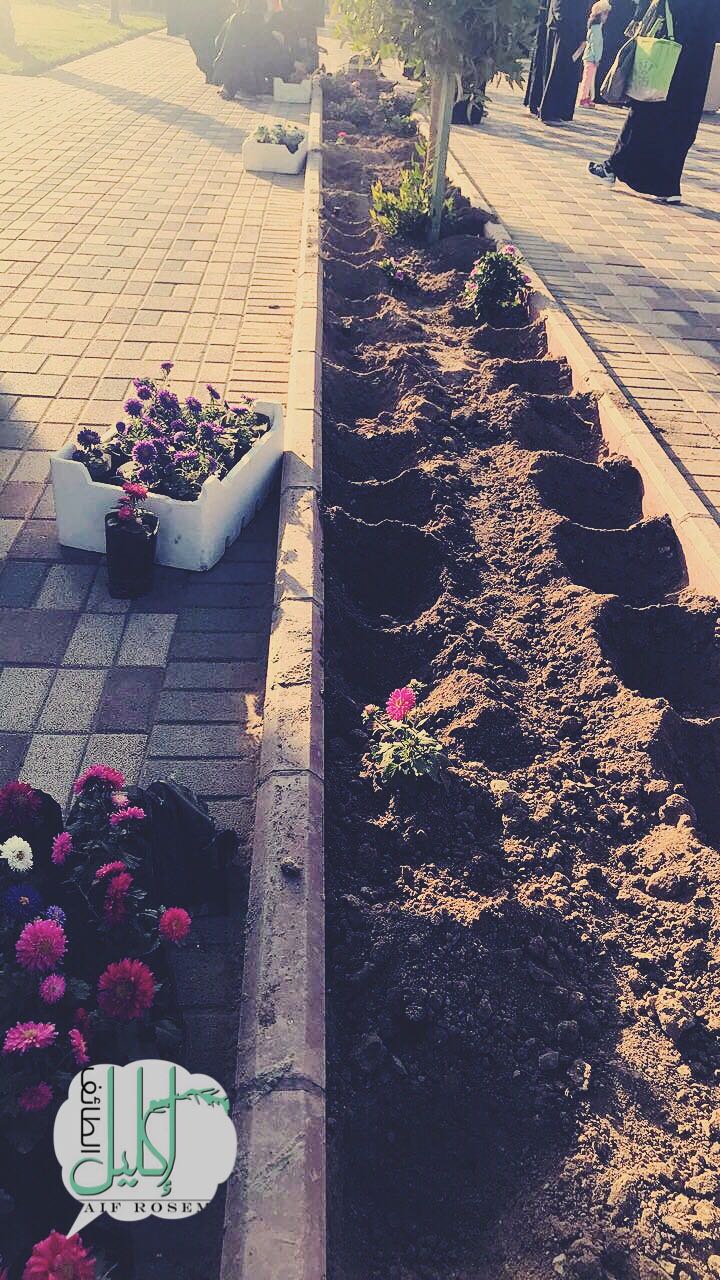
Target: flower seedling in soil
[397, 112]
[168, 445]
[394, 271]
[400, 745]
[405, 212]
[497, 285]
[284, 135]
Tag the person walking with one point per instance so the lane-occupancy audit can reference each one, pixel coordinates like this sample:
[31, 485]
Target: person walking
[563, 40]
[592, 52]
[651, 151]
[536, 77]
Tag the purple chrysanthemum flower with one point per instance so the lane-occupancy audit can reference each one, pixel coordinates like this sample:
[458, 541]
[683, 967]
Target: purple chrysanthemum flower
[133, 407]
[168, 400]
[121, 428]
[213, 391]
[55, 913]
[87, 437]
[144, 451]
[193, 404]
[166, 366]
[186, 455]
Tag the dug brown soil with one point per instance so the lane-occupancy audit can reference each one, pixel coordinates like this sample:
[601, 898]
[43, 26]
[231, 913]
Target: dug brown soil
[524, 1012]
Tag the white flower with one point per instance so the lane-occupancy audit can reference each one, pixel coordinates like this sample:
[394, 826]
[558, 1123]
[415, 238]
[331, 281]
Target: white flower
[17, 853]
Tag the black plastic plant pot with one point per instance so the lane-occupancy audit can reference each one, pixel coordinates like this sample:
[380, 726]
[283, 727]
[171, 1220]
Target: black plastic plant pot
[130, 547]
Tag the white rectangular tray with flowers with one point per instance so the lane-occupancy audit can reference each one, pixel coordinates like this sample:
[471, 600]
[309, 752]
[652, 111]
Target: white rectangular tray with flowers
[207, 469]
[281, 148]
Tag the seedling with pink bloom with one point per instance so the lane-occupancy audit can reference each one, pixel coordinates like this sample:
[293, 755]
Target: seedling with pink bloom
[400, 744]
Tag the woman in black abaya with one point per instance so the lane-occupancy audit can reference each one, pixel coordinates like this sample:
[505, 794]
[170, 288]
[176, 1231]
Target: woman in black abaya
[536, 76]
[650, 153]
[566, 26]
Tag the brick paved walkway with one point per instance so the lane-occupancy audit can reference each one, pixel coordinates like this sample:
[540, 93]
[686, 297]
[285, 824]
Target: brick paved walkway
[641, 280]
[129, 234]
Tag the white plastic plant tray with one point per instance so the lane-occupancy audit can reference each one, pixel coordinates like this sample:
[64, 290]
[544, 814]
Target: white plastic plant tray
[273, 157]
[192, 535]
[284, 91]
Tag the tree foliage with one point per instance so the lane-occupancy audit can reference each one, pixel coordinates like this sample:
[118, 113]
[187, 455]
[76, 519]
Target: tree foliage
[474, 39]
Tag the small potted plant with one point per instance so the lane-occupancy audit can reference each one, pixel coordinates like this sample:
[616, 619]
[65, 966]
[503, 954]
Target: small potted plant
[280, 149]
[130, 542]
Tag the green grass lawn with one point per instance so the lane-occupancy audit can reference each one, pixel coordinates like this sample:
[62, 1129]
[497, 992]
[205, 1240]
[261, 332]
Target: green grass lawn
[48, 32]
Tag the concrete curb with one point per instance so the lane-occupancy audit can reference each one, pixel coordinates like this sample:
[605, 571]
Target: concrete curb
[666, 490]
[275, 1209]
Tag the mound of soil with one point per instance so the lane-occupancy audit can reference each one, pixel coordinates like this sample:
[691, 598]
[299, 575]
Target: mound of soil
[524, 1013]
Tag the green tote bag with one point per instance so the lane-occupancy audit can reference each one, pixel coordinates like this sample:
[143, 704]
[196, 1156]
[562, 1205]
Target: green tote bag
[655, 62]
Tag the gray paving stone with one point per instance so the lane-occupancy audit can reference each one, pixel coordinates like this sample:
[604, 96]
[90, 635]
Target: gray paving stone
[66, 586]
[53, 762]
[198, 740]
[20, 581]
[22, 693]
[214, 675]
[100, 600]
[235, 707]
[147, 638]
[218, 778]
[94, 641]
[123, 751]
[73, 700]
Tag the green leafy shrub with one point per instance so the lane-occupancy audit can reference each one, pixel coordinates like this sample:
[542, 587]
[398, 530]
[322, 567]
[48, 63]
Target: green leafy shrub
[400, 745]
[397, 112]
[496, 284]
[405, 212]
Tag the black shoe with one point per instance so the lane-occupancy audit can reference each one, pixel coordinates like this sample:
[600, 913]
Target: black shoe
[602, 172]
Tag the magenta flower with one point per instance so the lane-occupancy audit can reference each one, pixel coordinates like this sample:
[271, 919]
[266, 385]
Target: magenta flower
[400, 703]
[41, 946]
[29, 1035]
[60, 1258]
[510, 250]
[115, 906]
[126, 990]
[19, 803]
[62, 847]
[36, 1097]
[78, 1047]
[99, 773]
[174, 924]
[133, 813]
[52, 989]
[109, 869]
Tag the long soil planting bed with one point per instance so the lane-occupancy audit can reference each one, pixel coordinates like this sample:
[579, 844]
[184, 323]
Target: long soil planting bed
[524, 1012]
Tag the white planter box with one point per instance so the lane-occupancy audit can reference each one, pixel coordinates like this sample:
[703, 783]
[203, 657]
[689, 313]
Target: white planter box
[272, 157]
[712, 100]
[192, 535]
[284, 92]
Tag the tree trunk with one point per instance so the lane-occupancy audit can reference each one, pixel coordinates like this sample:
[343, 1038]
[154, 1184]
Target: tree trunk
[115, 11]
[441, 106]
[7, 30]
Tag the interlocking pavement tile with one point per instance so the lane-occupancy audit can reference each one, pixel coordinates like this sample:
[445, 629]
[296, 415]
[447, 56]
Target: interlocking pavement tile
[22, 693]
[53, 762]
[73, 700]
[124, 751]
[208, 707]
[20, 582]
[94, 641]
[66, 586]
[213, 675]
[220, 646]
[100, 600]
[13, 747]
[32, 636]
[147, 638]
[198, 740]
[218, 778]
[129, 698]
[18, 498]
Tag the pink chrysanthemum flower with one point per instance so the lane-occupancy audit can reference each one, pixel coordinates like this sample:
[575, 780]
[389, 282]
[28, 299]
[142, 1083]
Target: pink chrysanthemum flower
[126, 989]
[36, 1097]
[41, 946]
[19, 803]
[62, 847]
[115, 906]
[99, 773]
[109, 869]
[133, 813]
[78, 1046]
[29, 1035]
[400, 702]
[53, 988]
[60, 1258]
[174, 924]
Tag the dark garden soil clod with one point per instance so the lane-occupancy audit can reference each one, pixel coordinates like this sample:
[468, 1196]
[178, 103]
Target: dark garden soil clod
[524, 1012]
